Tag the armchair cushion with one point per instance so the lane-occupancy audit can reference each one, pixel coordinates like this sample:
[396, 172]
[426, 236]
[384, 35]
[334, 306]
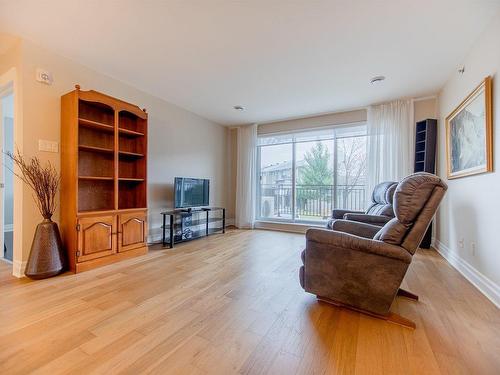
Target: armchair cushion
[393, 232]
[355, 227]
[339, 214]
[369, 219]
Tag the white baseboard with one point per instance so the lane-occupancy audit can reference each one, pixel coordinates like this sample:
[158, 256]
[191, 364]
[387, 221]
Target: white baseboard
[152, 239]
[18, 268]
[476, 278]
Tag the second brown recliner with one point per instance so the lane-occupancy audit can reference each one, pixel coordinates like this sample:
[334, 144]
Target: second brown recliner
[378, 213]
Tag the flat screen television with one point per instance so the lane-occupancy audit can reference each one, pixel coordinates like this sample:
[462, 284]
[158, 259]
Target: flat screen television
[191, 192]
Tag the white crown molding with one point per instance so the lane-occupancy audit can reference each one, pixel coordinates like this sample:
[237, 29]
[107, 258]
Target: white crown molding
[487, 287]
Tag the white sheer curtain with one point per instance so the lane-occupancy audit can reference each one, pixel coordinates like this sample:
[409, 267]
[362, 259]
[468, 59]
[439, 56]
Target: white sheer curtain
[246, 175]
[390, 151]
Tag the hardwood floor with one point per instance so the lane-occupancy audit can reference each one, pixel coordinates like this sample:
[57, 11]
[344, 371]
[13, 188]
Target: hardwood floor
[232, 304]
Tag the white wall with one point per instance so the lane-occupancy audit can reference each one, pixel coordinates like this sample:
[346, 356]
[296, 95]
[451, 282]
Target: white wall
[471, 208]
[425, 108]
[310, 122]
[180, 142]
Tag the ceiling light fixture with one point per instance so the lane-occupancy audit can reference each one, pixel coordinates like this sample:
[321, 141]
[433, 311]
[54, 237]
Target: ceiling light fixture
[377, 79]
[239, 108]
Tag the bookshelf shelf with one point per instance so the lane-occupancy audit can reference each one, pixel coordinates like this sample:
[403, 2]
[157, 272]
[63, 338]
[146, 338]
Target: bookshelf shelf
[99, 178]
[131, 154]
[96, 125]
[96, 149]
[130, 179]
[130, 133]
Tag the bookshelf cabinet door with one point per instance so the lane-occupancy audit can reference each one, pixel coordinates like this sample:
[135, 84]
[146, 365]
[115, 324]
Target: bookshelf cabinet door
[132, 233]
[96, 237]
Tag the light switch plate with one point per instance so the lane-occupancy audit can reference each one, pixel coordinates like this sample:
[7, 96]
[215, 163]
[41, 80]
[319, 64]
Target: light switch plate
[48, 146]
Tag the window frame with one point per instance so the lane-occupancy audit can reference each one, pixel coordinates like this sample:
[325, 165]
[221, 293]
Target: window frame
[294, 143]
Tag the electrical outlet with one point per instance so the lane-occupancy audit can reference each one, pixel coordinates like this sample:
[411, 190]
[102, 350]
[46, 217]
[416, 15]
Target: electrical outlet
[48, 146]
[461, 243]
[473, 248]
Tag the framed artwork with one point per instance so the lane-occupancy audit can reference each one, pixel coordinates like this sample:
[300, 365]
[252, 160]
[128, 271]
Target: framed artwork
[469, 134]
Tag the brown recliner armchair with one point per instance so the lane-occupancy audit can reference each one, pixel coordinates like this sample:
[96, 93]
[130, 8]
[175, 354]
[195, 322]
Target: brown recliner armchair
[361, 266]
[379, 212]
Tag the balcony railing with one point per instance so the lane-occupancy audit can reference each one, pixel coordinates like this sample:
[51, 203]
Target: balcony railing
[312, 202]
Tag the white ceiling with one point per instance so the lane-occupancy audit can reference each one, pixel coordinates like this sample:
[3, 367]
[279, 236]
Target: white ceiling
[278, 58]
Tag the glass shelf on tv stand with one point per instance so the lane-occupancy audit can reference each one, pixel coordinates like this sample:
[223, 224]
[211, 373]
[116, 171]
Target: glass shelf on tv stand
[171, 223]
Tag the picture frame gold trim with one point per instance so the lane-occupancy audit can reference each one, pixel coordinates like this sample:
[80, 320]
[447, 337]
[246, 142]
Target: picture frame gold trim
[485, 85]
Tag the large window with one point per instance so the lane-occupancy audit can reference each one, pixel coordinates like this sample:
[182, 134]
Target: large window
[303, 176]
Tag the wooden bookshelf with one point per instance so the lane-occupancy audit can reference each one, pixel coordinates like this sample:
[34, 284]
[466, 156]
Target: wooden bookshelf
[103, 179]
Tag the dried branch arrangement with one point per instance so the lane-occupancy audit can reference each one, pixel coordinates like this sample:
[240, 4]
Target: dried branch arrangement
[44, 180]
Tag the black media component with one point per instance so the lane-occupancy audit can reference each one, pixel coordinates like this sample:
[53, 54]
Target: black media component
[425, 158]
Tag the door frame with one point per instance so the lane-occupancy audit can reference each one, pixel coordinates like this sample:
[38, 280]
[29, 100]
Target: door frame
[5, 91]
[10, 80]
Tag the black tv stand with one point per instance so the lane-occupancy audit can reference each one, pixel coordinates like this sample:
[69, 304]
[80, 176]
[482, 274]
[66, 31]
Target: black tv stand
[187, 224]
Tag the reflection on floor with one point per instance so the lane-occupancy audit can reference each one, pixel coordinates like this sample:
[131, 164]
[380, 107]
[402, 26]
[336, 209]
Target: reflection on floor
[232, 304]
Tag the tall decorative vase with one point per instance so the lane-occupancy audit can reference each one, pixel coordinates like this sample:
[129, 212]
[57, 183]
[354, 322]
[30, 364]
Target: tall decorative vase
[47, 257]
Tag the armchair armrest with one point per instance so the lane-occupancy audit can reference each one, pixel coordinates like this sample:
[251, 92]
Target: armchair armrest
[379, 220]
[355, 227]
[339, 214]
[347, 241]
